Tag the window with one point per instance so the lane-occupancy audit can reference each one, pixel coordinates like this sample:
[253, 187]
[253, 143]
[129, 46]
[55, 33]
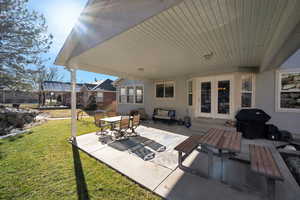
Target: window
[190, 92]
[289, 91]
[123, 96]
[139, 94]
[131, 94]
[247, 91]
[99, 97]
[160, 90]
[165, 89]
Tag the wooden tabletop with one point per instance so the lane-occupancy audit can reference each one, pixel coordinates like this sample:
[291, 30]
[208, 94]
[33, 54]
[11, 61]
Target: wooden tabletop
[222, 139]
[111, 119]
[114, 119]
[231, 141]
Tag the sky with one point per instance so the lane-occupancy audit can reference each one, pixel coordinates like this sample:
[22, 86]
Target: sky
[61, 15]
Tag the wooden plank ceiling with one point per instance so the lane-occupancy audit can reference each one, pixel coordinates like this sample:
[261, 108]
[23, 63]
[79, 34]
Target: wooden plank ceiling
[196, 36]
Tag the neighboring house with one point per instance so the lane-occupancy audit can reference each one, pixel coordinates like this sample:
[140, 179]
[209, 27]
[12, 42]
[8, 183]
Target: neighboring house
[103, 92]
[8, 96]
[202, 59]
[59, 93]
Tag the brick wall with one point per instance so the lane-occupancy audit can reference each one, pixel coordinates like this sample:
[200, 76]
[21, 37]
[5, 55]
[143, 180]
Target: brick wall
[109, 101]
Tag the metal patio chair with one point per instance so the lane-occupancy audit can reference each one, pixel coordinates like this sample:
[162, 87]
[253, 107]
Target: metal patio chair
[135, 123]
[120, 131]
[101, 124]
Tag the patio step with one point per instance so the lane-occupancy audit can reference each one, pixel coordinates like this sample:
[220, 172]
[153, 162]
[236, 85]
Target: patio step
[207, 123]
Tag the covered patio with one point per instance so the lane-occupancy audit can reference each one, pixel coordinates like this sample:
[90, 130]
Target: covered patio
[162, 176]
[215, 45]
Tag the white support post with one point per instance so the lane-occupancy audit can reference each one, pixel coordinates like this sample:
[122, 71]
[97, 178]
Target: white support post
[73, 104]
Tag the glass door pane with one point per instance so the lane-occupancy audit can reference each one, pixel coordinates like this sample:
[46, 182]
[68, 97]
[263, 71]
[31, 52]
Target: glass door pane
[223, 97]
[206, 97]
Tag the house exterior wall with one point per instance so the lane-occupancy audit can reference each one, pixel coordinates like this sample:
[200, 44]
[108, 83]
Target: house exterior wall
[125, 108]
[109, 98]
[265, 99]
[109, 101]
[179, 103]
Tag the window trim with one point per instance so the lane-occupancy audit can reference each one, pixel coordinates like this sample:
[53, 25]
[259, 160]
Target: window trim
[164, 82]
[188, 93]
[253, 79]
[278, 90]
[134, 95]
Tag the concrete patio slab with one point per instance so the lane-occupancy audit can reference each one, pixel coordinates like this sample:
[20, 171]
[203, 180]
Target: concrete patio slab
[146, 173]
[162, 176]
[167, 159]
[89, 142]
[180, 185]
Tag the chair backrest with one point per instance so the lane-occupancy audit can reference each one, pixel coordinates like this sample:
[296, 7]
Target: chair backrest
[111, 114]
[136, 120]
[97, 117]
[124, 123]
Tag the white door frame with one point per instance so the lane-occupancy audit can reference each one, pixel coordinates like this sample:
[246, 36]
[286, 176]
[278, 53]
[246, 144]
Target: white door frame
[199, 113]
[214, 96]
[231, 96]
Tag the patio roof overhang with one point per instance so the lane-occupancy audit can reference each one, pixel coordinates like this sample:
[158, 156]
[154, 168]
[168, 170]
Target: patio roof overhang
[155, 39]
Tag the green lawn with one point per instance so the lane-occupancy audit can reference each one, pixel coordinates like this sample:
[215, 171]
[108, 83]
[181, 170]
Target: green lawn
[40, 165]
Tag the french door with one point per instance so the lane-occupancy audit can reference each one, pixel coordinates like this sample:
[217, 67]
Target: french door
[215, 97]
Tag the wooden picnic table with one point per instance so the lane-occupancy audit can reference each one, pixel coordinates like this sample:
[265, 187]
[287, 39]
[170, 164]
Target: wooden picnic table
[222, 140]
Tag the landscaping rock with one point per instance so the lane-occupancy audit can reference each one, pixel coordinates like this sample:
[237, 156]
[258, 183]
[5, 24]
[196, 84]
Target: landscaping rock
[12, 118]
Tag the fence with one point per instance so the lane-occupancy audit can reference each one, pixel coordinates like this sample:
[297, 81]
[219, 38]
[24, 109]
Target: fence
[18, 97]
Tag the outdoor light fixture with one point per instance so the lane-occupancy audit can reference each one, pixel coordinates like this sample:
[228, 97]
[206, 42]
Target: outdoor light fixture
[141, 69]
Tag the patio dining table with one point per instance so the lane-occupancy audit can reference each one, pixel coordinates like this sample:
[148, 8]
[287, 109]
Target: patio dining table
[113, 120]
[226, 142]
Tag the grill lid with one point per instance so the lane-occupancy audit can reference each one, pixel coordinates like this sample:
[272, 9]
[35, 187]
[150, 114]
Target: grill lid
[252, 115]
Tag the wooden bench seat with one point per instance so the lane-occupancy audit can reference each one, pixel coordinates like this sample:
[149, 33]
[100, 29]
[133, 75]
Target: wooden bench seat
[187, 147]
[263, 162]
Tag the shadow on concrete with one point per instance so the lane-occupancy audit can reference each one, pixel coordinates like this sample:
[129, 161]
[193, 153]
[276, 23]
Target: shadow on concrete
[82, 190]
[241, 182]
[142, 147]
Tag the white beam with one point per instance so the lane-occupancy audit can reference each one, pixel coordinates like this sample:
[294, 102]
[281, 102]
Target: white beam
[73, 104]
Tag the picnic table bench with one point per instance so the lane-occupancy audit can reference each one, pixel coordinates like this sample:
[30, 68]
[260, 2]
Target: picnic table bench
[263, 162]
[184, 149]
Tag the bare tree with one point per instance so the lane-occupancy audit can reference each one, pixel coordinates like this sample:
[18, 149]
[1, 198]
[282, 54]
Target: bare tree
[41, 75]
